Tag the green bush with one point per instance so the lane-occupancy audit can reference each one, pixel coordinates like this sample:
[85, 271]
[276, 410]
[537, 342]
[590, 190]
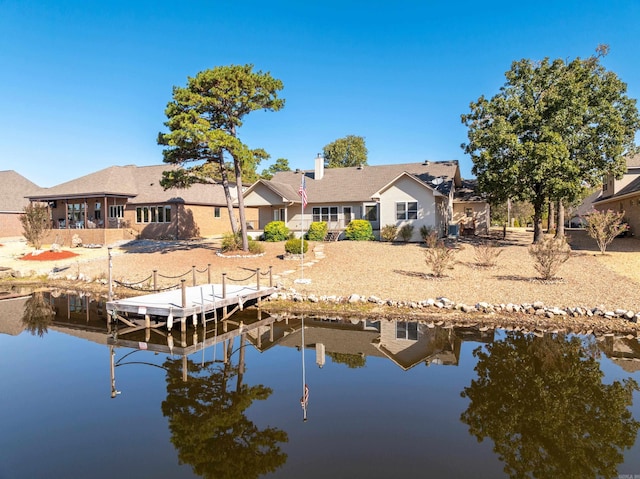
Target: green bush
[276, 231]
[255, 247]
[317, 231]
[231, 242]
[406, 232]
[292, 246]
[388, 232]
[359, 230]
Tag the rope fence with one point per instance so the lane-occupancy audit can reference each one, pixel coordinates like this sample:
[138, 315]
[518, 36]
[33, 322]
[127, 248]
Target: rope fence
[152, 280]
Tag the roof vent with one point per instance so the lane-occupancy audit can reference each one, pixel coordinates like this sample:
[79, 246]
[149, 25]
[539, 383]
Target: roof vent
[360, 166]
[425, 162]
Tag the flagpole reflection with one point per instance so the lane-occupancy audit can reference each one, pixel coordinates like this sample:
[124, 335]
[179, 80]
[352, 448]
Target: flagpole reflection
[304, 400]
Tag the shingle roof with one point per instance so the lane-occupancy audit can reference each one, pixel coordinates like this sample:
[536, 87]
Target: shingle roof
[633, 161]
[140, 183]
[355, 184]
[13, 191]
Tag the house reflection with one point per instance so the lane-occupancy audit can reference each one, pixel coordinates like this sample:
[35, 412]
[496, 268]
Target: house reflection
[347, 340]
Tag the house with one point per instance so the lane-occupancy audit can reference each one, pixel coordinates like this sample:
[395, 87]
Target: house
[430, 194]
[124, 202]
[623, 194]
[13, 188]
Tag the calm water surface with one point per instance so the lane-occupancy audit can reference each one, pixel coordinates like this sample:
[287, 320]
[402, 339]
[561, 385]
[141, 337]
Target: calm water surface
[385, 399]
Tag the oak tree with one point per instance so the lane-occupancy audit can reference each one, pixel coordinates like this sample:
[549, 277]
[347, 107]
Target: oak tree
[347, 151]
[553, 127]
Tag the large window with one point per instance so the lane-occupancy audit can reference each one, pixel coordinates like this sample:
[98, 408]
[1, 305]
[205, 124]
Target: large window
[407, 210]
[153, 214]
[407, 330]
[325, 213]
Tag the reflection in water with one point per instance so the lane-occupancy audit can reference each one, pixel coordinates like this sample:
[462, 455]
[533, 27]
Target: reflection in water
[540, 401]
[38, 314]
[209, 428]
[543, 404]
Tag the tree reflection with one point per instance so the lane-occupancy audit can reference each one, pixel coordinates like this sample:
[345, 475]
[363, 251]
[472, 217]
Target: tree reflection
[208, 423]
[38, 314]
[543, 404]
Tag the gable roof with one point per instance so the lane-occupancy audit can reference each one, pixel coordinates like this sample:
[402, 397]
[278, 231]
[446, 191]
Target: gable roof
[14, 188]
[360, 184]
[139, 183]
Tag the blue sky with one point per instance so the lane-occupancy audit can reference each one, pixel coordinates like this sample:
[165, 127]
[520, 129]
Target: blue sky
[85, 83]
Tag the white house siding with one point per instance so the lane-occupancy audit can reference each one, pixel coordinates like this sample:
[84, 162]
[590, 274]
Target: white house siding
[408, 190]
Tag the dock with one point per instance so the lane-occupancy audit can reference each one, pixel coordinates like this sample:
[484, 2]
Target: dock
[199, 303]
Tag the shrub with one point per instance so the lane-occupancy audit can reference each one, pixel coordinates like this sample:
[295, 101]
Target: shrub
[549, 254]
[359, 230]
[406, 232]
[34, 223]
[427, 232]
[317, 231]
[486, 253]
[388, 232]
[292, 246]
[439, 258]
[431, 238]
[604, 226]
[276, 231]
[231, 242]
[255, 247]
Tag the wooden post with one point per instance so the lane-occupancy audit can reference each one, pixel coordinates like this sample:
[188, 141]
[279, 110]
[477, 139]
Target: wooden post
[184, 292]
[271, 276]
[193, 274]
[155, 280]
[147, 321]
[208, 273]
[258, 279]
[224, 285]
[110, 267]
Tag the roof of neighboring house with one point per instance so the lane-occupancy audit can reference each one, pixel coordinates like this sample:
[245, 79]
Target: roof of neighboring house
[587, 204]
[357, 184]
[630, 189]
[13, 191]
[468, 191]
[633, 161]
[139, 183]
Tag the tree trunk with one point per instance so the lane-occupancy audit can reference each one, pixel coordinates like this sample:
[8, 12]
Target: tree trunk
[243, 221]
[538, 233]
[551, 224]
[227, 194]
[560, 228]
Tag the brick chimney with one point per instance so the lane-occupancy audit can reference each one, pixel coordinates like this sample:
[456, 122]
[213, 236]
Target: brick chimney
[319, 168]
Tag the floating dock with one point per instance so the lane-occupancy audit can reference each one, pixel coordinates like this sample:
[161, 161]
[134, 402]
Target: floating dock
[199, 303]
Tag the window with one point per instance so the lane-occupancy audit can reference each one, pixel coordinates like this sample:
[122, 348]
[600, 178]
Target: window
[407, 211]
[153, 214]
[407, 330]
[468, 212]
[116, 211]
[97, 211]
[216, 212]
[371, 213]
[325, 213]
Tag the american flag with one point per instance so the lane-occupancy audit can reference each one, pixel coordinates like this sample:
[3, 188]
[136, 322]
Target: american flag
[304, 400]
[302, 191]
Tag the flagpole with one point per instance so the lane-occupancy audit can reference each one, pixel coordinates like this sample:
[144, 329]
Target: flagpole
[305, 396]
[302, 191]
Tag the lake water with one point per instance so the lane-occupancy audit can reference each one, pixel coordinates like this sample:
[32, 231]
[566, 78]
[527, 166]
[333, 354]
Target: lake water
[386, 399]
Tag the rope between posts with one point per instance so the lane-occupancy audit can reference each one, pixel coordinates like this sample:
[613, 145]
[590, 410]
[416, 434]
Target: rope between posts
[202, 271]
[243, 279]
[147, 290]
[130, 285]
[174, 277]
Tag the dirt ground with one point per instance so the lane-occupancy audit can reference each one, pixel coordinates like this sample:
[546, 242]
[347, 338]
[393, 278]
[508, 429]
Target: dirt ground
[386, 270]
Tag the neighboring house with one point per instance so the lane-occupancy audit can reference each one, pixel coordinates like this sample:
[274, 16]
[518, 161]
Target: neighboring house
[419, 194]
[13, 191]
[623, 194]
[122, 202]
